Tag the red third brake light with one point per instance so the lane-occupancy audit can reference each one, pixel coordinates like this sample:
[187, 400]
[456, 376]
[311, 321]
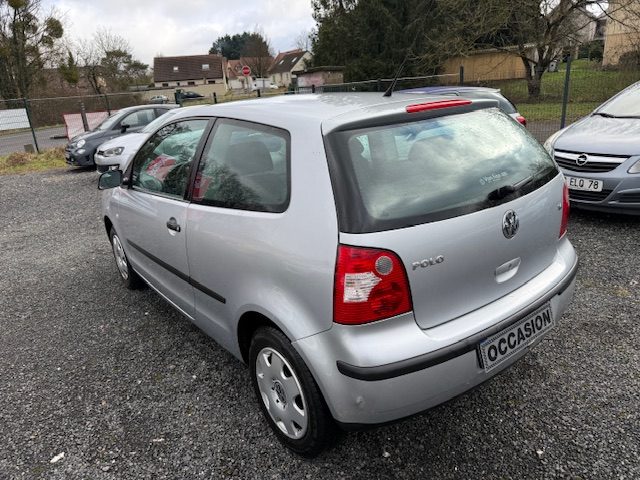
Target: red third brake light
[421, 107]
[565, 211]
[521, 120]
[370, 285]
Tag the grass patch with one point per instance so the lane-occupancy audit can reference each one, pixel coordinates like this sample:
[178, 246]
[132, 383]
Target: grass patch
[549, 111]
[23, 162]
[589, 83]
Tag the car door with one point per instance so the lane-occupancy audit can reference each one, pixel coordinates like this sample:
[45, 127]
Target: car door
[137, 120]
[240, 190]
[153, 211]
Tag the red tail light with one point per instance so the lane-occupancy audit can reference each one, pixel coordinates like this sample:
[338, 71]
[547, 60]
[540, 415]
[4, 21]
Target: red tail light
[370, 285]
[565, 210]
[521, 120]
[421, 107]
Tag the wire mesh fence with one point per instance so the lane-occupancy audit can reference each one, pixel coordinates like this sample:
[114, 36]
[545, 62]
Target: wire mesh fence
[38, 124]
[48, 122]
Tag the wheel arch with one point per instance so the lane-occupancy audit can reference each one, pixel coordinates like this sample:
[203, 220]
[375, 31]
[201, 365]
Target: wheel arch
[108, 224]
[248, 323]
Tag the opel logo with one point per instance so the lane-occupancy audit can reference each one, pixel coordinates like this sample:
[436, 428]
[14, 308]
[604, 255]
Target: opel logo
[582, 160]
[510, 224]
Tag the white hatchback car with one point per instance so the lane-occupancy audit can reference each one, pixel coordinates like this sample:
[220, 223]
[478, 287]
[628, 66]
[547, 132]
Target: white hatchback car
[117, 152]
[367, 257]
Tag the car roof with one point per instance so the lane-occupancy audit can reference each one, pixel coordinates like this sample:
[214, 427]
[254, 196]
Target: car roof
[451, 88]
[142, 107]
[333, 108]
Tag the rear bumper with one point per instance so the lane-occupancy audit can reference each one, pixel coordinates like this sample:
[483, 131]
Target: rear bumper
[360, 385]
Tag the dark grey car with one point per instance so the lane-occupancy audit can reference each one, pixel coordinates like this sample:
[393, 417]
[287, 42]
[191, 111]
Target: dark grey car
[81, 149]
[600, 155]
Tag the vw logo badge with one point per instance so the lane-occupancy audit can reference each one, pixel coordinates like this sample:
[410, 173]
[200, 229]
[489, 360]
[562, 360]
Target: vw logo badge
[582, 160]
[510, 224]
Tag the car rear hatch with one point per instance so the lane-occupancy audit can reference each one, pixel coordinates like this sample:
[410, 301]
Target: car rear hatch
[469, 202]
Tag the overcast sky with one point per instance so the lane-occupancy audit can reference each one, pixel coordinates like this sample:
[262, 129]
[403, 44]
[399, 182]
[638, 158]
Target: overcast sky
[184, 27]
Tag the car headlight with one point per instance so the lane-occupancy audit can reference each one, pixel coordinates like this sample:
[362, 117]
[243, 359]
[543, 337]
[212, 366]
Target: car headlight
[635, 168]
[113, 152]
[80, 143]
[548, 145]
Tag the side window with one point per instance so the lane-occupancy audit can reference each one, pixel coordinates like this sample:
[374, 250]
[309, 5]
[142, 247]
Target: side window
[139, 118]
[163, 163]
[245, 166]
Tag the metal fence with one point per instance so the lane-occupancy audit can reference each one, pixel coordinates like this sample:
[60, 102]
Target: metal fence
[566, 95]
[38, 124]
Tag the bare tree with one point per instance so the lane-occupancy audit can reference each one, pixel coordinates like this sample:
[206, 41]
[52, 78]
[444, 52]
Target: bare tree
[539, 31]
[107, 62]
[303, 40]
[29, 41]
[257, 53]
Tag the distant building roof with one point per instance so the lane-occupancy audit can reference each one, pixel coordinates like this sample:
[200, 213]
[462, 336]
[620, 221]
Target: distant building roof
[191, 67]
[285, 61]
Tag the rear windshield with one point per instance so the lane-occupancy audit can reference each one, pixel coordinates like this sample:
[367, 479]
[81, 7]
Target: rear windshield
[399, 175]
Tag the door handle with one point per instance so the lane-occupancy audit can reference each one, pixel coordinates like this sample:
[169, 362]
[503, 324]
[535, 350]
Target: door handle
[172, 224]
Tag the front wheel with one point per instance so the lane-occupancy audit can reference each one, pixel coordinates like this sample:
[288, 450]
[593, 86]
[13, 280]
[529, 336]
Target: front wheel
[130, 278]
[288, 395]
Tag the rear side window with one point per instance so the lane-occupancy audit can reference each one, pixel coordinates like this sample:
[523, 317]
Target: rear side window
[245, 166]
[399, 175]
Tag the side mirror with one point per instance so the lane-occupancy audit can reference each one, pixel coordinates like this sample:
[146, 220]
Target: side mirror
[110, 179]
[124, 127]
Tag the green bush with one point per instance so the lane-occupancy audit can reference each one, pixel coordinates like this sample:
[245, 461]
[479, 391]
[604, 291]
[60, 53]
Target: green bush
[630, 60]
[593, 50]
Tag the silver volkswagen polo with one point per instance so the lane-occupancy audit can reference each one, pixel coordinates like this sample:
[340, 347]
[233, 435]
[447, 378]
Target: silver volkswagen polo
[367, 257]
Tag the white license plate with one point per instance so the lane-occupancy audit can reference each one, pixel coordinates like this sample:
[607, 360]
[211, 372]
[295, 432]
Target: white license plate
[503, 345]
[586, 184]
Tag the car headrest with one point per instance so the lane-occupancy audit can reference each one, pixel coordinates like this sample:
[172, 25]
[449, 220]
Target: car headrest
[249, 157]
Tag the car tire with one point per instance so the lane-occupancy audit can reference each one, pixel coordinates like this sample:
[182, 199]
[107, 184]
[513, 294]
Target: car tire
[102, 168]
[288, 395]
[129, 277]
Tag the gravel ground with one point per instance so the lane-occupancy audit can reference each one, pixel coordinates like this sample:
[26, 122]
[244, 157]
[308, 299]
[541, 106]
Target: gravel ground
[127, 388]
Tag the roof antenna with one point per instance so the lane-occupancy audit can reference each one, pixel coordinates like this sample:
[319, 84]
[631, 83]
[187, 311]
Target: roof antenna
[389, 90]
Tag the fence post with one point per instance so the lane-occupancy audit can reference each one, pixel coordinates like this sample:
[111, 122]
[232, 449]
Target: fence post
[215, 97]
[461, 75]
[33, 132]
[379, 85]
[83, 115]
[259, 95]
[565, 93]
[106, 100]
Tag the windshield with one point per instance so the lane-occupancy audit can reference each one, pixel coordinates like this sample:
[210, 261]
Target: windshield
[627, 104]
[430, 170]
[157, 123]
[109, 122]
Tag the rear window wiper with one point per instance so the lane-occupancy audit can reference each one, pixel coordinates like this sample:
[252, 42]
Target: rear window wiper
[605, 115]
[506, 190]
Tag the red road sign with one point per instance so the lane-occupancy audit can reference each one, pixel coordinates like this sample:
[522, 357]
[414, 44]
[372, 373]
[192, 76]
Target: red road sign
[246, 71]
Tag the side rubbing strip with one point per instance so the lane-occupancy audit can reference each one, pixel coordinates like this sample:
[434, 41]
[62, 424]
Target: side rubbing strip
[178, 273]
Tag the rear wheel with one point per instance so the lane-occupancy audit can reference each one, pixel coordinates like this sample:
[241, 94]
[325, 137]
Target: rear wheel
[130, 278]
[288, 395]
